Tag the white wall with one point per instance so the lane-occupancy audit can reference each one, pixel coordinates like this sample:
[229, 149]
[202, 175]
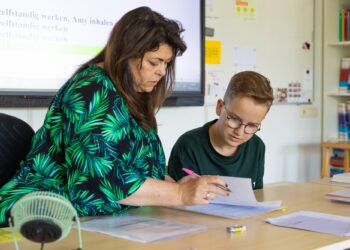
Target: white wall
[293, 142]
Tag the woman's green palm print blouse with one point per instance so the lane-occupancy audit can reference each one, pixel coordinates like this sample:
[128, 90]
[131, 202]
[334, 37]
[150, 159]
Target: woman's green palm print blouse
[90, 149]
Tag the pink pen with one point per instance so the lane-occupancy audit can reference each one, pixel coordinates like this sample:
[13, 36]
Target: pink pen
[191, 173]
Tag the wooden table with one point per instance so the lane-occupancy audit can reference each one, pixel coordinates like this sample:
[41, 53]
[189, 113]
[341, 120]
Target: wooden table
[327, 181]
[259, 235]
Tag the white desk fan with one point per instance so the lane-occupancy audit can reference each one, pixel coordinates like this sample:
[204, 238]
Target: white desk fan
[43, 217]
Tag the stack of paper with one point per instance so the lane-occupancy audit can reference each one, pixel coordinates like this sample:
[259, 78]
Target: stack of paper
[140, 228]
[240, 204]
[314, 221]
[343, 178]
[340, 195]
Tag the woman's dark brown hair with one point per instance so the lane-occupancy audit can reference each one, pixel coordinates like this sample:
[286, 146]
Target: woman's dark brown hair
[139, 31]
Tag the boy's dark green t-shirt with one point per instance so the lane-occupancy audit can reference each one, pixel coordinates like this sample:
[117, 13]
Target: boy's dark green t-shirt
[193, 150]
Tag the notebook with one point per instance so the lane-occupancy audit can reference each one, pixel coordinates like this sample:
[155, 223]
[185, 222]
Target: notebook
[339, 195]
[343, 178]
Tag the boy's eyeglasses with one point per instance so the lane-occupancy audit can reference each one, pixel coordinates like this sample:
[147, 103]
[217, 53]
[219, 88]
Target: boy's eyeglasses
[235, 122]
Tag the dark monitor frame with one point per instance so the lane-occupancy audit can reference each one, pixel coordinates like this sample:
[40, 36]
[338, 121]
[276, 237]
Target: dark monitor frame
[27, 98]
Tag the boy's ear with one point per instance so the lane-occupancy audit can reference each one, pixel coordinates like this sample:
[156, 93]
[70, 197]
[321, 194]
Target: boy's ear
[219, 106]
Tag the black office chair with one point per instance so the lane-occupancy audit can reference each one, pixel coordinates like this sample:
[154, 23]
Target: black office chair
[15, 139]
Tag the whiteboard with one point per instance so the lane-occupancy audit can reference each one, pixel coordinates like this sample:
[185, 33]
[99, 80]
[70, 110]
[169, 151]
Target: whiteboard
[42, 43]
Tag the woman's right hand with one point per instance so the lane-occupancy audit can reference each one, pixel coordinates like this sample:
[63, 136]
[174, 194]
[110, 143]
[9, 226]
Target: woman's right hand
[199, 190]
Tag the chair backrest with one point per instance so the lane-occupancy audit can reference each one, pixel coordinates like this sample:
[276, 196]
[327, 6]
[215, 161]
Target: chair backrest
[15, 140]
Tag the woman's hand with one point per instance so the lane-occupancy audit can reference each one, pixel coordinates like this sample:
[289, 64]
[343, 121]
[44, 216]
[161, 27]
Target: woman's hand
[199, 190]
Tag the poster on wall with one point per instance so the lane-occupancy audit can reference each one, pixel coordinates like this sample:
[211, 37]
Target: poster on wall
[245, 10]
[244, 58]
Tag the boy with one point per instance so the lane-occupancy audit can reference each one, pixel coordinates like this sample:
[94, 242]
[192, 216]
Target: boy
[228, 146]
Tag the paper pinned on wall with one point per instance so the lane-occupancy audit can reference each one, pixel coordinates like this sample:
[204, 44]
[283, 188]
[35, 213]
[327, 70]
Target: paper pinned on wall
[212, 52]
[209, 7]
[244, 58]
[245, 9]
[216, 85]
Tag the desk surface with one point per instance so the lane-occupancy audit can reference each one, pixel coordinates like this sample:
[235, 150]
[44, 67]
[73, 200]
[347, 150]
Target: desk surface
[326, 181]
[259, 234]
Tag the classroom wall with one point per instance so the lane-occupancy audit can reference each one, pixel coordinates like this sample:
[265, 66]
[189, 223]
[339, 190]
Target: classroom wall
[292, 141]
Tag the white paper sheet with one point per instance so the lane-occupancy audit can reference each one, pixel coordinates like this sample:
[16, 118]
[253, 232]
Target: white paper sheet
[228, 211]
[343, 178]
[240, 204]
[242, 194]
[336, 246]
[314, 221]
[140, 228]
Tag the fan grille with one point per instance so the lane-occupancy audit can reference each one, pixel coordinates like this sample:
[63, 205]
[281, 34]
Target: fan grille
[43, 215]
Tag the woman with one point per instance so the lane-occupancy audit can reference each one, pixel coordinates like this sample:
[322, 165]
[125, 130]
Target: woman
[98, 145]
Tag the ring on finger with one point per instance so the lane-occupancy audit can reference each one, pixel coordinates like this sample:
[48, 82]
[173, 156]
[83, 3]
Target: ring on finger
[207, 196]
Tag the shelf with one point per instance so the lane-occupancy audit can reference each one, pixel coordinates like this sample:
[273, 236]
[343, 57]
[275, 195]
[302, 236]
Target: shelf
[339, 94]
[340, 44]
[327, 147]
[333, 52]
[337, 143]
